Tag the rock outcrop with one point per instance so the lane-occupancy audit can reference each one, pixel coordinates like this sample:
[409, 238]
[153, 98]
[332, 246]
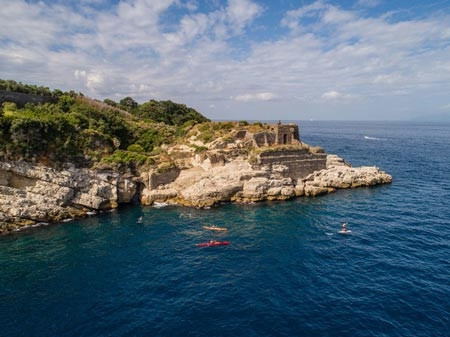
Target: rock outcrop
[280, 175]
[31, 194]
[342, 176]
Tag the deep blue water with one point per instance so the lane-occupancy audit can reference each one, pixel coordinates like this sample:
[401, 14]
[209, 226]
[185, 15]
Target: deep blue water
[286, 272]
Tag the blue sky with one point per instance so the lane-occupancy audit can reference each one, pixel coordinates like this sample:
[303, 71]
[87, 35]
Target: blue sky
[239, 59]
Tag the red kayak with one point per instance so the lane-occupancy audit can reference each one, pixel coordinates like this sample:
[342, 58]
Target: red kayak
[213, 243]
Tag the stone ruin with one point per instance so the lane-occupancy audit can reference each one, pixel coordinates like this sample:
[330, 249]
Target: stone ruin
[276, 134]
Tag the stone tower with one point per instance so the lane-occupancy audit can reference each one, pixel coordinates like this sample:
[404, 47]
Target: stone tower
[275, 134]
[285, 133]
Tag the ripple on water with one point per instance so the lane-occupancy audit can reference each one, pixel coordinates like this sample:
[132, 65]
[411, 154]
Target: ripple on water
[286, 272]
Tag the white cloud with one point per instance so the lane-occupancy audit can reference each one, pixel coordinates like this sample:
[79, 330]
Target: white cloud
[241, 12]
[261, 96]
[334, 15]
[80, 74]
[331, 95]
[191, 27]
[337, 96]
[191, 5]
[292, 17]
[388, 78]
[92, 80]
[328, 54]
[368, 3]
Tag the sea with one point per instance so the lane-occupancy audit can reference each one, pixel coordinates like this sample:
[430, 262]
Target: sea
[286, 272]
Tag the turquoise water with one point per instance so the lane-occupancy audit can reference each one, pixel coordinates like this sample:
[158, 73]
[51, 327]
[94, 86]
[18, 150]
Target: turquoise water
[286, 272]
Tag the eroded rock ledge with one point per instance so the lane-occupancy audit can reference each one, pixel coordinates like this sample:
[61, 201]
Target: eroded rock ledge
[31, 194]
[285, 176]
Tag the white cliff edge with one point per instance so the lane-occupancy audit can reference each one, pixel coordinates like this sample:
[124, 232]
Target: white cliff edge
[31, 194]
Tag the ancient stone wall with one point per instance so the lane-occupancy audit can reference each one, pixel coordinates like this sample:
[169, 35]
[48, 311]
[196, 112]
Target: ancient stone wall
[285, 133]
[276, 134]
[264, 139]
[21, 99]
[300, 163]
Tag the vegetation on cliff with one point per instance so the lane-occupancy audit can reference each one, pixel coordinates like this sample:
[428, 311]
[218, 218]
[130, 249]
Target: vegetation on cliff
[166, 112]
[86, 131]
[125, 134]
[10, 85]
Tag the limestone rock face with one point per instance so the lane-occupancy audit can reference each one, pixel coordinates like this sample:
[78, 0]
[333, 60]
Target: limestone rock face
[236, 180]
[333, 160]
[148, 197]
[126, 188]
[31, 193]
[343, 176]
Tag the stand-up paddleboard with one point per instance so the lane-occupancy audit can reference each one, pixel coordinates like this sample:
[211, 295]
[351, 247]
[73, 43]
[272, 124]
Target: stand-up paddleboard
[215, 228]
[213, 243]
[348, 231]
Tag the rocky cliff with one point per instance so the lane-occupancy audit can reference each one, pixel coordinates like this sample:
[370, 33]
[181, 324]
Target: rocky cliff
[34, 194]
[31, 194]
[276, 175]
[103, 154]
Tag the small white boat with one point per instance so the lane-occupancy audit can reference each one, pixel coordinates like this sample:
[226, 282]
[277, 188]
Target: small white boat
[160, 204]
[215, 228]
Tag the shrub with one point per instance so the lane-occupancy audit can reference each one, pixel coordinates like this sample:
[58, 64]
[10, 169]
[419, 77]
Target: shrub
[169, 112]
[156, 151]
[135, 148]
[84, 130]
[253, 159]
[226, 126]
[8, 108]
[110, 102]
[206, 137]
[166, 167]
[125, 158]
[204, 127]
[199, 149]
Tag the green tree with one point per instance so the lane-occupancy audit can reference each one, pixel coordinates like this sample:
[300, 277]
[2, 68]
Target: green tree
[169, 112]
[9, 108]
[128, 104]
[110, 102]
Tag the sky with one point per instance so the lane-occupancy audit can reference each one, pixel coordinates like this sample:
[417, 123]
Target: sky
[239, 59]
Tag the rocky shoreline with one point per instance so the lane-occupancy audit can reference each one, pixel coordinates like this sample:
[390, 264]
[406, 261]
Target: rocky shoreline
[156, 152]
[31, 194]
